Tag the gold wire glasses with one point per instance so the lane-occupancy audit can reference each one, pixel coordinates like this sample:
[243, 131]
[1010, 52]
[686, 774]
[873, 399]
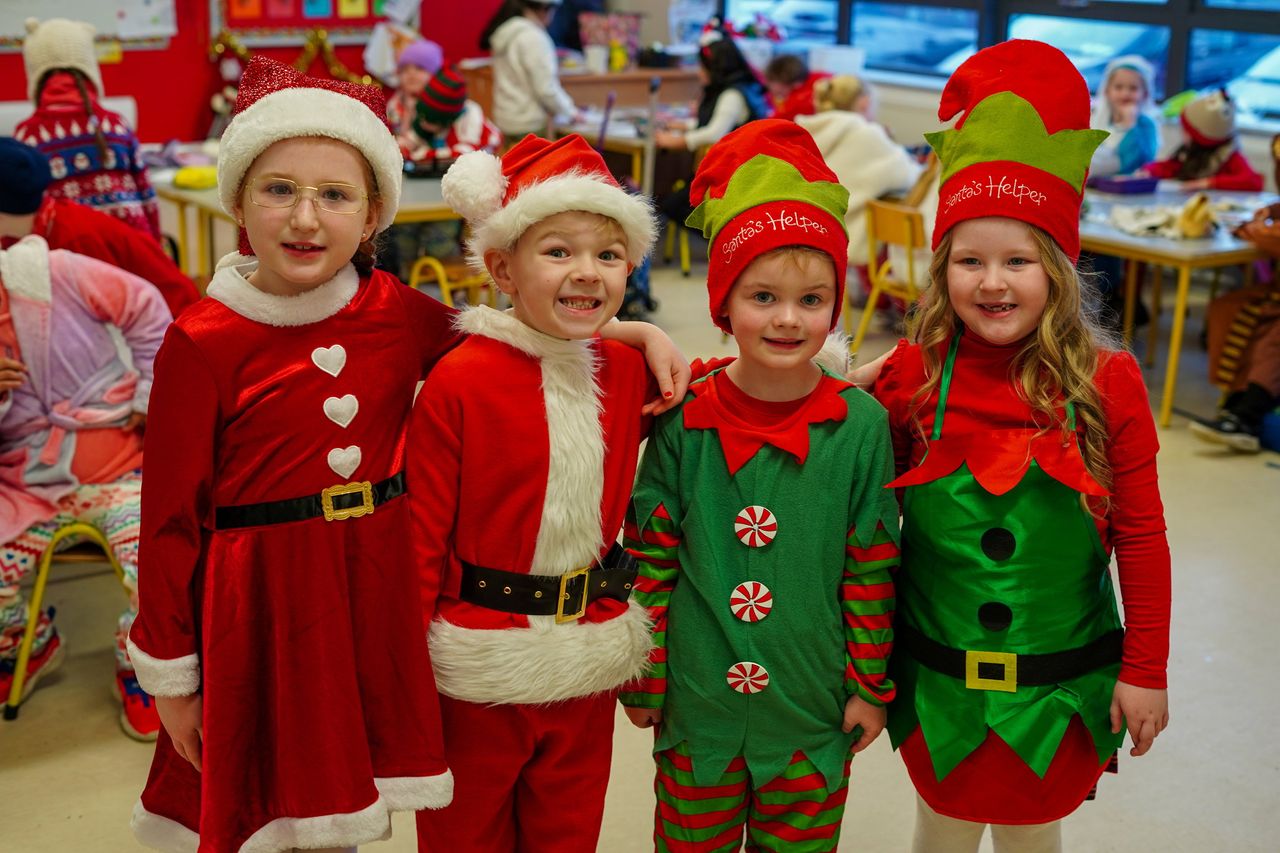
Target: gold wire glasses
[344, 199]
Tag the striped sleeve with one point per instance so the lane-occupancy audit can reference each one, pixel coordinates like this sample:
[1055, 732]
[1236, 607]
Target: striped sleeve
[867, 602]
[654, 545]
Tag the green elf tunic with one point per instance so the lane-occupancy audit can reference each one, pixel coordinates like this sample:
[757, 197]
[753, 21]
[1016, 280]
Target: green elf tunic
[765, 554]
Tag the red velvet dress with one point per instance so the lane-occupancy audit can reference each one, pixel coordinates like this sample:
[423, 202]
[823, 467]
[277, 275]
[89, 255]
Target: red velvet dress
[305, 638]
[982, 400]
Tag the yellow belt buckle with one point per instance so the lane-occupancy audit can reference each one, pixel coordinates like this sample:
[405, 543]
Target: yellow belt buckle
[565, 580]
[974, 681]
[363, 488]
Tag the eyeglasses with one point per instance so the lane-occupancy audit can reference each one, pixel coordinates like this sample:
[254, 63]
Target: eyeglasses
[282, 192]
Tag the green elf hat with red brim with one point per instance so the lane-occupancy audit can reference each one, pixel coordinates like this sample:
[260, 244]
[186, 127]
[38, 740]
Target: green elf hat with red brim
[1022, 147]
[763, 187]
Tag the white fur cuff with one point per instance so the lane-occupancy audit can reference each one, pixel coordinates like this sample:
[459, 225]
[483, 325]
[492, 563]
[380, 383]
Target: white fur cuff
[165, 677]
[414, 793]
[161, 833]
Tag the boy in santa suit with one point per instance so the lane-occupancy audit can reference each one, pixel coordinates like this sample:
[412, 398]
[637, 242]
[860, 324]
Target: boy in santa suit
[522, 454]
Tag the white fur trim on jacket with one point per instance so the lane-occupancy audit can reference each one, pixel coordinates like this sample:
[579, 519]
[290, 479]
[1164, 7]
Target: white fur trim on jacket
[24, 266]
[290, 113]
[165, 676]
[414, 793]
[543, 663]
[231, 287]
[372, 823]
[571, 191]
[834, 355]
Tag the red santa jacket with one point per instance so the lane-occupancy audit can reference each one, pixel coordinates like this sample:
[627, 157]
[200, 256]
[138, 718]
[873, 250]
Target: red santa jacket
[522, 454]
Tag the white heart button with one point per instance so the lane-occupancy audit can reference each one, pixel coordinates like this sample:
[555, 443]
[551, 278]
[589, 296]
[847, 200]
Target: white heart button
[342, 410]
[330, 359]
[344, 460]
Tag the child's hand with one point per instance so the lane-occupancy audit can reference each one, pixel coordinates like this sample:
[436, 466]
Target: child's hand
[182, 718]
[866, 375]
[871, 718]
[1144, 710]
[643, 718]
[12, 373]
[667, 364]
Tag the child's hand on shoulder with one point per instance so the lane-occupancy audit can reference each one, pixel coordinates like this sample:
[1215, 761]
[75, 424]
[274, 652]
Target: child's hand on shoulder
[183, 719]
[865, 376]
[858, 712]
[1144, 710]
[643, 718]
[667, 364]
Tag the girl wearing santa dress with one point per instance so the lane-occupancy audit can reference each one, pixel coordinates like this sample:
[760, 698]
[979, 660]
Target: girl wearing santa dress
[1027, 459]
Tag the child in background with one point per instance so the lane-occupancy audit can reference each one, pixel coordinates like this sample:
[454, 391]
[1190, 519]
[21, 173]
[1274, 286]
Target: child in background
[72, 413]
[279, 627]
[28, 209]
[417, 62]
[526, 77]
[845, 92]
[764, 532]
[1027, 455]
[448, 124]
[1209, 157]
[868, 163]
[1122, 108]
[92, 151]
[525, 592]
[790, 84]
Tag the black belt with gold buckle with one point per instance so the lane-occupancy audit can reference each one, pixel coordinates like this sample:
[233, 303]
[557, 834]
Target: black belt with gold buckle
[336, 503]
[564, 596]
[1006, 671]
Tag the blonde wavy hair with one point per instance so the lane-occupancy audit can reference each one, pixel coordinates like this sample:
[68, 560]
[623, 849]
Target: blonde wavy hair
[1057, 362]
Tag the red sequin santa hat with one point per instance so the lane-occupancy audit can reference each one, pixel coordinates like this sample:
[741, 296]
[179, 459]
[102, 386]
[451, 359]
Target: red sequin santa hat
[535, 179]
[276, 102]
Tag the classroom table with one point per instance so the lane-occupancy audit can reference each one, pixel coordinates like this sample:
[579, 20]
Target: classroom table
[420, 201]
[1220, 249]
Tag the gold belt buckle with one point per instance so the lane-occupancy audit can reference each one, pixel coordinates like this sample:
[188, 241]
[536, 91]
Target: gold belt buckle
[565, 580]
[365, 507]
[974, 681]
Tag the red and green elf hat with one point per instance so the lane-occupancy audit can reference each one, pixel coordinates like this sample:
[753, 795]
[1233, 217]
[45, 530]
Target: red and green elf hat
[1022, 147]
[762, 187]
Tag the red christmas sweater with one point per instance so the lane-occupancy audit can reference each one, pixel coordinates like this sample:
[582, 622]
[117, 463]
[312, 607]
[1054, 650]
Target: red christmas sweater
[983, 398]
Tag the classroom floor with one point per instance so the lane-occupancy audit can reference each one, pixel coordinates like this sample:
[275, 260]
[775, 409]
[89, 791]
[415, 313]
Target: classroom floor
[69, 777]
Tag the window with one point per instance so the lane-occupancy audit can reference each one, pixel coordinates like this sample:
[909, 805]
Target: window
[803, 22]
[921, 39]
[1090, 43]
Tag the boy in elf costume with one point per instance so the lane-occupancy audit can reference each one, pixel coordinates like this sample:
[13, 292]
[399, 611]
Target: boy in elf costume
[763, 530]
[532, 427]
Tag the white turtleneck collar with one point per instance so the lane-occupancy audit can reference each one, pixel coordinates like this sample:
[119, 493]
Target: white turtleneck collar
[232, 288]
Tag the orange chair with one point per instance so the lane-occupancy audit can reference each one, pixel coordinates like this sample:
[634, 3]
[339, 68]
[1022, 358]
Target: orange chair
[899, 225]
[453, 275]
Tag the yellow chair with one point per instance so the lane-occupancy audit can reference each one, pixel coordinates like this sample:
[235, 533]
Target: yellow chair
[453, 275]
[676, 230]
[893, 224]
[94, 537]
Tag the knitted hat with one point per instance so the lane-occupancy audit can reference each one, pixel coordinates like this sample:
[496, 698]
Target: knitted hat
[536, 179]
[1022, 147]
[275, 102]
[1210, 119]
[423, 53]
[59, 43]
[762, 187]
[443, 99]
[24, 173]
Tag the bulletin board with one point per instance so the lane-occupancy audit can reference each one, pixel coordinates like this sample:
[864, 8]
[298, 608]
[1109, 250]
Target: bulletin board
[131, 21]
[270, 23]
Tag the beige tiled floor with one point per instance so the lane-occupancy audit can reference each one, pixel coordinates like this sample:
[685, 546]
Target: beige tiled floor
[68, 777]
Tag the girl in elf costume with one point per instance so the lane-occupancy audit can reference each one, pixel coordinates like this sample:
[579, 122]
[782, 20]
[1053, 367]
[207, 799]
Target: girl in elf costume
[1027, 455]
[764, 534]
[280, 624]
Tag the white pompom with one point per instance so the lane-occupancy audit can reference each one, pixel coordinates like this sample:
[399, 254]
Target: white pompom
[474, 186]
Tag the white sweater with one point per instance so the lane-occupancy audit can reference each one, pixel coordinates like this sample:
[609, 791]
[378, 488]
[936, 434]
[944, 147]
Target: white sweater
[868, 163]
[526, 83]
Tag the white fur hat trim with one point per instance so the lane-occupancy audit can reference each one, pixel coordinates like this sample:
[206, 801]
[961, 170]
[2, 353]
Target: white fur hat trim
[59, 43]
[305, 111]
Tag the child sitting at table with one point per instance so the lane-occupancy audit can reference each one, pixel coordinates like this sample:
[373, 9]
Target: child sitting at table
[446, 124]
[791, 86]
[1209, 157]
[415, 65]
[1121, 109]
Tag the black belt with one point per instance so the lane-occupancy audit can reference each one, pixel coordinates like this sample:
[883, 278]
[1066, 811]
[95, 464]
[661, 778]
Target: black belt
[566, 596]
[1006, 671]
[336, 503]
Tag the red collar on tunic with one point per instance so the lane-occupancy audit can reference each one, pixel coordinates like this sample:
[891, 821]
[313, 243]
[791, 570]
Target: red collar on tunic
[740, 439]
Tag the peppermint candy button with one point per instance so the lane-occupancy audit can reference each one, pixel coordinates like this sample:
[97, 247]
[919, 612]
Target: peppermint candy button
[751, 601]
[756, 526]
[747, 677]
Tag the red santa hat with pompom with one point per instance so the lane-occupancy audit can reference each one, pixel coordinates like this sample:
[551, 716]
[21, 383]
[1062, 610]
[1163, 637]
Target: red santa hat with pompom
[535, 179]
[275, 102]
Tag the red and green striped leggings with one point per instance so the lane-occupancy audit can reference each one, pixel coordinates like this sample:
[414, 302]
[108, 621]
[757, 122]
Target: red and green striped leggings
[794, 812]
